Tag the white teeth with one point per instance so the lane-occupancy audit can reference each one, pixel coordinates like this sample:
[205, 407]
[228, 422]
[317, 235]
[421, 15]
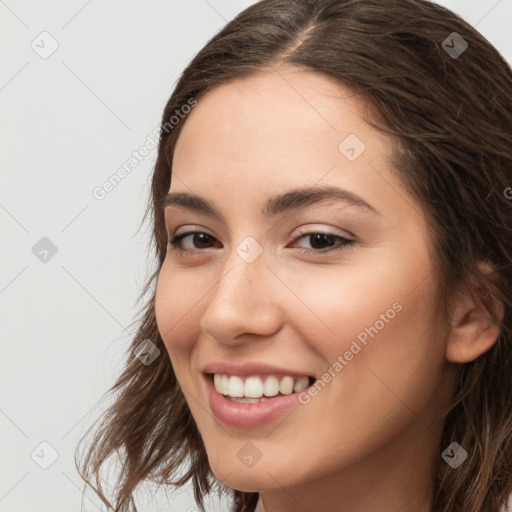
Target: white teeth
[271, 386]
[255, 387]
[286, 385]
[225, 385]
[236, 387]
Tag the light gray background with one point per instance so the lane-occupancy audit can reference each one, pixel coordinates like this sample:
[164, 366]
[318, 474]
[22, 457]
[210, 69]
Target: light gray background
[68, 122]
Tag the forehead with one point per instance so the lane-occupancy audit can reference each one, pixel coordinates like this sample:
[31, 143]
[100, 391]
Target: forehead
[277, 117]
[256, 137]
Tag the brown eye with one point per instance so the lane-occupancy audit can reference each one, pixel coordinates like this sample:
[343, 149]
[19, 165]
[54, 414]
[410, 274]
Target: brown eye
[199, 240]
[320, 242]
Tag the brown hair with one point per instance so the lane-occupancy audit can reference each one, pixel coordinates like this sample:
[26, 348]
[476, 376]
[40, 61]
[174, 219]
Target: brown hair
[452, 118]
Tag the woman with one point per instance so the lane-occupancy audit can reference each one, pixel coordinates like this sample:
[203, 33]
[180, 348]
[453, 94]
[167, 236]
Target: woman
[369, 373]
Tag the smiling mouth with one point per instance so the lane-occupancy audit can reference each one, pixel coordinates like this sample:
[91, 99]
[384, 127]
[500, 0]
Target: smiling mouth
[258, 388]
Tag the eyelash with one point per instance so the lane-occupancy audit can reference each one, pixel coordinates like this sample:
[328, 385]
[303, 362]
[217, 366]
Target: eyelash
[346, 242]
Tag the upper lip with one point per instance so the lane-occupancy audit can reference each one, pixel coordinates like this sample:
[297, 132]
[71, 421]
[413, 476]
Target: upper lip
[251, 368]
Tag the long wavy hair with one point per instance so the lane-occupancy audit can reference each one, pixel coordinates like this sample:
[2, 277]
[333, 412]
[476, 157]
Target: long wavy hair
[450, 115]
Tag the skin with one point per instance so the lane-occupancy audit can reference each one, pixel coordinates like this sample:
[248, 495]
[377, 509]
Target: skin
[370, 438]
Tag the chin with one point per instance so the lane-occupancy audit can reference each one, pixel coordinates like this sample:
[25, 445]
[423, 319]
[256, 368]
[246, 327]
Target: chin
[249, 480]
[265, 475]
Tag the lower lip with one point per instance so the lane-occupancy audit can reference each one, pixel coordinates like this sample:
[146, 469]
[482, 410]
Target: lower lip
[237, 414]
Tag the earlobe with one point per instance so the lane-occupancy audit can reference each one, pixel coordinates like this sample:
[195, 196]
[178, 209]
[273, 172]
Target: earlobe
[472, 330]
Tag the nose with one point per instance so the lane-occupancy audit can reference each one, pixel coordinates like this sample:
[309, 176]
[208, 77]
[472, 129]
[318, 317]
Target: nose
[245, 300]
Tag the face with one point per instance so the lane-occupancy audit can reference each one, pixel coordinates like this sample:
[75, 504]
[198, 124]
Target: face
[337, 288]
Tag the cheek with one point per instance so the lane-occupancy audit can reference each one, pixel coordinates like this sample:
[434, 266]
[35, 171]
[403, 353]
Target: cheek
[385, 293]
[377, 333]
[392, 363]
[174, 311]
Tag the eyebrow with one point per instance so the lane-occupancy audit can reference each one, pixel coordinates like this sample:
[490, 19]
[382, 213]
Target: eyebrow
[276, 205]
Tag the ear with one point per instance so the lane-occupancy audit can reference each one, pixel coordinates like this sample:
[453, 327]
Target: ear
[472, 329]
